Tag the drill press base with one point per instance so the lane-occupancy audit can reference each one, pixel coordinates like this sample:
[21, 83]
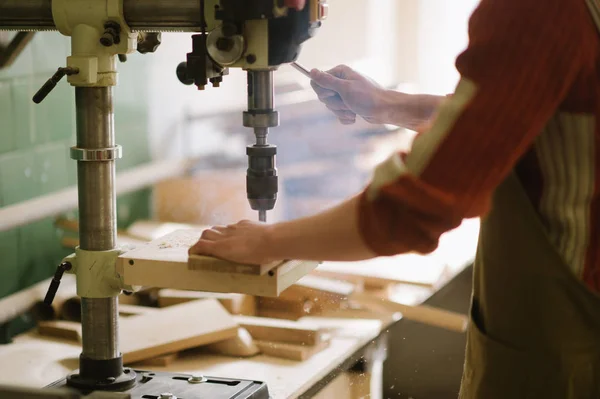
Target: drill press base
[151, 385]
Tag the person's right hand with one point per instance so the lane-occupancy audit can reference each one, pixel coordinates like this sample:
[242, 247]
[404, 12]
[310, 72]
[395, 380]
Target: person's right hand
[347, 93]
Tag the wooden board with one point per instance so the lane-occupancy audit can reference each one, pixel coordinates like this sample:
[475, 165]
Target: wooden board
[198, 262]
[175, 328]
[242, 345]
[266, 329]
[277, 314]
[424, 314]
[135, 310]
[385, 317]
[290, 351]
[159, 361]
[163, 263]
[149, 230]
[73, 242]
[68, 330]
[292, 308]
[323, 293]
[379, 272]
[185, 238]
[234, 303]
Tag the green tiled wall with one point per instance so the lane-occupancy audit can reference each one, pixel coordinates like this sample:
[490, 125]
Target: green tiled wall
[34, 144]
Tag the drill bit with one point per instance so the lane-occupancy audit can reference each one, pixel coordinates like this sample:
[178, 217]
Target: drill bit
[262, 216]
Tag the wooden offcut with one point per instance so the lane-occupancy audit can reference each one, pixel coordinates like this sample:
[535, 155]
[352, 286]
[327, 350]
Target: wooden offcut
[286, 331]
[422, 313]
[135, 310]
[242, 345]
[160, 361]
[410, 269]
[234, 303]
[68, 330]
[290, 351]
[291, 308]
[174, 329]
[322, 293]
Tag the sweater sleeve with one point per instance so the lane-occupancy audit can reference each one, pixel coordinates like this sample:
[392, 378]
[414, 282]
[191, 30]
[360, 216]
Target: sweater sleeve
[522, 58]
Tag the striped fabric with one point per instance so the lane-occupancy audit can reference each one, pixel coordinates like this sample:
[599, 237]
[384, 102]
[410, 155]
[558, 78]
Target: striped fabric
[528, 100]
[565, 153]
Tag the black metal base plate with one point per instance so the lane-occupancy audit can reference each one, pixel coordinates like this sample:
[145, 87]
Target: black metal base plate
[150, 385]
[125, 381]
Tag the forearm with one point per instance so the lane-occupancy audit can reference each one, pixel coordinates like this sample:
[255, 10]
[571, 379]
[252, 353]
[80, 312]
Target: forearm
[332, 235]
[409, 111]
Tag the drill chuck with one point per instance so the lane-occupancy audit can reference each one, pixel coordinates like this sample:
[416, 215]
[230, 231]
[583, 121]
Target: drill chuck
[261, 177]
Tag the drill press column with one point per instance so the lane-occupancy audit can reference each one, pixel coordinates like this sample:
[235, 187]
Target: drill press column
[261, 177]
[98, 223]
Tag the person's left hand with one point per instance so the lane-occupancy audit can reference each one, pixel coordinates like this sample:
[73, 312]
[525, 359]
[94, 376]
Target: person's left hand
[244, 242]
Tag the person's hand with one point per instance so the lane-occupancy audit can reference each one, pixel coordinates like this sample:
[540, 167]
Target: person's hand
[297, 4]
[347, 93]
[244, 242]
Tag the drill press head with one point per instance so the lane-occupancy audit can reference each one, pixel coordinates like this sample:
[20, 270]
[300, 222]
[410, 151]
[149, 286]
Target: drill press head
[257, 36]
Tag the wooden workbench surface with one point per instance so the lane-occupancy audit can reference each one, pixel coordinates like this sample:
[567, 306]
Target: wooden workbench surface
[34, 361]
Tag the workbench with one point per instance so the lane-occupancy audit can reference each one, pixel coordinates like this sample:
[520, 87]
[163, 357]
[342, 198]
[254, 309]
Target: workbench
[35, 361]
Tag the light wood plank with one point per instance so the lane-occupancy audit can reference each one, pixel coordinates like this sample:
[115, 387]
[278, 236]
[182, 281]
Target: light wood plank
[424, 314]
[69, 330]
[175, 328]
[136, 310]
[242, 345]
[267, 329]
[160, 361]
[163, 263]
[290, 351]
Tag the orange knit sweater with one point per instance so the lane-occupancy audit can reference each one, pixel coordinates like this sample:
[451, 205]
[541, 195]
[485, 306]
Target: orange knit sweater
[528, 100]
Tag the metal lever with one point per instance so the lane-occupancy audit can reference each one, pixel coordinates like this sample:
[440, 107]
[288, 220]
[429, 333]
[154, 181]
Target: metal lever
[52, 82]
[55, 283]
[300, 68]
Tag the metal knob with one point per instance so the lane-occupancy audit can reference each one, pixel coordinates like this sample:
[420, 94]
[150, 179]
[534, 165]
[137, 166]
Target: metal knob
[182, 74]
[148, 42]
[111, 35]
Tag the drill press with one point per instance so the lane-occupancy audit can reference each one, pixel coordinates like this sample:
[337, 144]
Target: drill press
[255, 35]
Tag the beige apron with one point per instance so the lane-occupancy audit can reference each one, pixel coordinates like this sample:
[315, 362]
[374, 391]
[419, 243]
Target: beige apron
[535, 329]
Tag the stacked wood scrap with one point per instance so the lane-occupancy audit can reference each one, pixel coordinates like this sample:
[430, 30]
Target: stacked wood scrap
[311, 295]
[285, 339]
